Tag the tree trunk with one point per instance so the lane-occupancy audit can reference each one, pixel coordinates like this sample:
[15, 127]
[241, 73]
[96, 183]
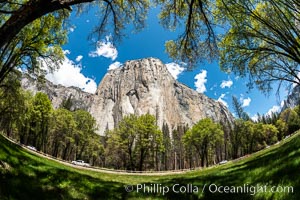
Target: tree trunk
[66, 151]
[55, 149]
[79, 155]
[202, 160]
[131, 160]
[206, 157]
[29, 12]
[141, 160]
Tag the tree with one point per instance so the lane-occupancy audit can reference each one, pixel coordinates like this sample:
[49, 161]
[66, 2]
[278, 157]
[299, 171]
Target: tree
[11, 22]
[269, 118]
[250, 137]
[270, 134]
[292, 119]
[11, 101]
[178, 146]
[149, 138]
[238, 109]
[263, 135]
[262, 40]
[25, 117]
[85, 131]
[137, 137]
[236, 138]
[197, 41]
[39, 40]
[205, 136]
[23, 38]
[73, 136]
[95, 150]
[166, 154]
[40, 117]
[116, 153]
[282, 128]
[63, 128]
[127, 130]
[297, 110]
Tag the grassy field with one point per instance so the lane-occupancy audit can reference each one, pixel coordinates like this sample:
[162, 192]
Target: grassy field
[24, 175]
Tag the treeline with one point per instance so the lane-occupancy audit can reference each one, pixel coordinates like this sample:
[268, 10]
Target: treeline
[248, 136]
[31, 120]
[137, 143]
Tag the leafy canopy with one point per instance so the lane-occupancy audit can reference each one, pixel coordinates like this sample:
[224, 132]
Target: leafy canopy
[262, 42]
[41, 39]
[261, 38]
[135, 139]
[204, 136]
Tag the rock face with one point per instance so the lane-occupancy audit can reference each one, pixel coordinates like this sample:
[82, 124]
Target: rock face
[146, 86]
[293, 99]
[139, 87]
[58, 93]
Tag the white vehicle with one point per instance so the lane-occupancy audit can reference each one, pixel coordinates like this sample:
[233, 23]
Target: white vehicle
[80, 163]
[223, 162]
[31, 148]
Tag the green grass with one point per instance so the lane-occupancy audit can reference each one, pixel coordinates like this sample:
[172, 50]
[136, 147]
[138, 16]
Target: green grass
[24, 175]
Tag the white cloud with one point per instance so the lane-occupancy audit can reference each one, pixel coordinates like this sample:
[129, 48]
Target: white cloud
[114, 65]
[201, 80]
[87, 21]
[246, 102]
[226, 84]
[274, 109]
[66, 52]
[72, 28]
[174, 69]
[70, 74]
[106, 49]
[221, 99]
[79, 58]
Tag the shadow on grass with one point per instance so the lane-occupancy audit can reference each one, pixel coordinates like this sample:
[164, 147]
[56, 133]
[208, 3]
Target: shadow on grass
[27, 178]
[59, 185]
[277, 167]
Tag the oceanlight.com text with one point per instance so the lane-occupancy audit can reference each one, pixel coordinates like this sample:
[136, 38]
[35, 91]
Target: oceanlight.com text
[211, 188]
[249, 189]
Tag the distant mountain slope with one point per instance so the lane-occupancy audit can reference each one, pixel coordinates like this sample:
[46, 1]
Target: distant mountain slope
[139, 87]
[58, 93]
[293, 99]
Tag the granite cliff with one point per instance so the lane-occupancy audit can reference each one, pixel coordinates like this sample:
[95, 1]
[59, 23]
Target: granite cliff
[293, 98]
[58, 93]
[139, 87]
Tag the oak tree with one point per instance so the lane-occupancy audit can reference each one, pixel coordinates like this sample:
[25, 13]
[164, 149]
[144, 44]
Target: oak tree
[262, 41]
[204, 136]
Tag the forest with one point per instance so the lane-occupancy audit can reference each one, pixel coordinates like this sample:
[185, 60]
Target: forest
[137, 143]
[259, 41]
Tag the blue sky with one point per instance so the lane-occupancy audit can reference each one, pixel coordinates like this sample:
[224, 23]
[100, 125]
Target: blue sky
[87, 61]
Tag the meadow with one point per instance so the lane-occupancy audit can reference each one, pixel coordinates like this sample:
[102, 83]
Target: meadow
[272, 173]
